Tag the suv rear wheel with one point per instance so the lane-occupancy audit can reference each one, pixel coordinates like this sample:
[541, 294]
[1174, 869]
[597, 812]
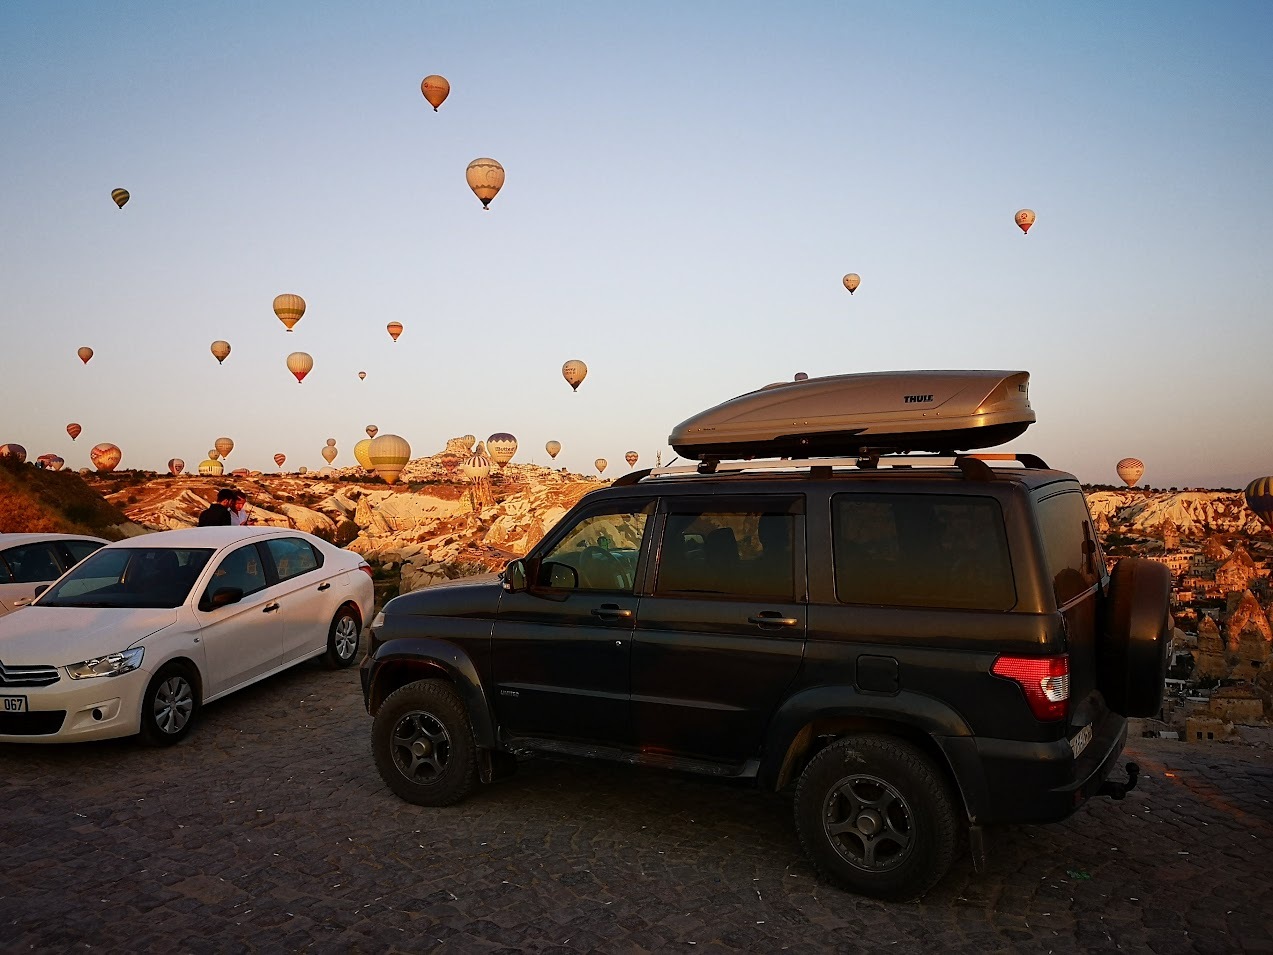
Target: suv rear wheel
[422, 742]
[876, 817]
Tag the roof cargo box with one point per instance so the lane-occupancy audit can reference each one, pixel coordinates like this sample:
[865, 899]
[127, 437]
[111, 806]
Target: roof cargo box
[892, 411]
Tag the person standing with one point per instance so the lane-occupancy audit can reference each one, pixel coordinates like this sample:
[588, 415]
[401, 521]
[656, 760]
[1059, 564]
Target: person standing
[239, 510]
[218, 514]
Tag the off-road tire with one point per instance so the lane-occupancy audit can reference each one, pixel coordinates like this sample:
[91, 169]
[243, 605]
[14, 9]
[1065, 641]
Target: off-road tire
[877, 817]
[423, 744]
[170, 705]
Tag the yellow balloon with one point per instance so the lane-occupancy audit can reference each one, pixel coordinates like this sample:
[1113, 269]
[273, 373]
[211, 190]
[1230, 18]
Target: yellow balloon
[362, 454]
[211, 467]
[485, 177]
[389, 455]
[435, 89]
[289, 308]
[220, 350]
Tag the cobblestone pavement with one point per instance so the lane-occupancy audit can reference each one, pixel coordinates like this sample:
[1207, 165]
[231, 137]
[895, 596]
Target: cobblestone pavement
[269, 830]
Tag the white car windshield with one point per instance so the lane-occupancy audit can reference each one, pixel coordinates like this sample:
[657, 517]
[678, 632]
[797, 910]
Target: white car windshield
[130, 577]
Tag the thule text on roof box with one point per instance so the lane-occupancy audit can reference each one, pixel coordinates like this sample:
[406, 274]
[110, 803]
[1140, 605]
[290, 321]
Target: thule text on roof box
[896, 411]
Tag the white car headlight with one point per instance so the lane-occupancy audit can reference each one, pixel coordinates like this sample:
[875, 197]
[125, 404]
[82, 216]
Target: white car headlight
[112, 664]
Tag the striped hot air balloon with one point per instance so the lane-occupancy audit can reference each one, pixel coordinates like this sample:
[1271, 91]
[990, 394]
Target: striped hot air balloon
[289, 308]
[279, 459]
[1130, 470]
[631, 457]
[1259, 497]
[477, 465]
[176, 466]
[394, 329]
[105, 456]
[389, 454]
[120, 196]
[73, 430]
[211, 468]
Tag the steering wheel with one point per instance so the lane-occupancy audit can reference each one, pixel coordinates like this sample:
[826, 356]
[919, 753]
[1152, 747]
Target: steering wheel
[602, 570]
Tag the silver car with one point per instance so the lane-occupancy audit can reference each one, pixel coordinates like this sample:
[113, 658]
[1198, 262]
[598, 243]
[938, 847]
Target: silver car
[29, 560]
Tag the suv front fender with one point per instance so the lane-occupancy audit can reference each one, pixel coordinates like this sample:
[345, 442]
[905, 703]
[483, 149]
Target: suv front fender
[843, 709]
[408, 659]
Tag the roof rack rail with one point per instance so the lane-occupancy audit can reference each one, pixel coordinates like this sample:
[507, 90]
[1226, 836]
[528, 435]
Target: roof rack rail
[974, 466]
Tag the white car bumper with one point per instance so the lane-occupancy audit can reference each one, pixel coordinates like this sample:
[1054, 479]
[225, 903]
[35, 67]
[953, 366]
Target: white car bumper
[71, 711]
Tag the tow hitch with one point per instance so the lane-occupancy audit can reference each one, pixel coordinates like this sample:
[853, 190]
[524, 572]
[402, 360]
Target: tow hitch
[1119, 790]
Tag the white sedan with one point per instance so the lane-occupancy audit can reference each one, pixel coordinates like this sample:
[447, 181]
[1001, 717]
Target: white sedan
[143, 632]
[28, 560]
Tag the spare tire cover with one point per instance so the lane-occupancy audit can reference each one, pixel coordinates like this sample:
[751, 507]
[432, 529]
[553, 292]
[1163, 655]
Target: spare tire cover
[1136, 631]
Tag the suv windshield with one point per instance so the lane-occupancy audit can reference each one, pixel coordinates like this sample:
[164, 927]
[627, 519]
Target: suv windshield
[130, 577]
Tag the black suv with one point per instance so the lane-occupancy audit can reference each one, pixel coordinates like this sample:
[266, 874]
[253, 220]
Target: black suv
[920, 650]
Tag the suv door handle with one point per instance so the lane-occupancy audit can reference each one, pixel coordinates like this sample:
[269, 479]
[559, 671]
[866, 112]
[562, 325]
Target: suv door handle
[612, 612]
[324, 586]
[269, 608]
[771, 618]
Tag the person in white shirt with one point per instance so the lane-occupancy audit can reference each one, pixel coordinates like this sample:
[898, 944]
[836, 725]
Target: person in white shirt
[239, 510]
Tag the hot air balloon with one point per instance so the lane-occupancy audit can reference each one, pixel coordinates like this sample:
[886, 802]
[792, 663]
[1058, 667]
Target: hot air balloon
[1259, 497]
[852, 281]
[213, 454]
[299, 364]
[501, 446]
[211, 467]
[289, 309]
[224, 446]
[50, 462]
[486, 178]
[176, 466]
[389, 455]
[802, 376]
[601, 464]
[362, 454]
[574, 371]
[331, 442]
[120, 196]
[105, 456]
[329, 453]
[220, 350]
[469, 440]
[1025, 219]
[13, 451]
[449, 461]
[394, 329]
[85, 354]
[372, 430]
[477, 465]
[435, 89]
[279, 459]
[240, 473]
[631, 457]
[362, 376]
[1130, 470]
[553, 448]
[73, 430]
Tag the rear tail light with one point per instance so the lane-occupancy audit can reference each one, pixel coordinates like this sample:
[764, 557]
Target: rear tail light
[1044, 680]
[367, 568]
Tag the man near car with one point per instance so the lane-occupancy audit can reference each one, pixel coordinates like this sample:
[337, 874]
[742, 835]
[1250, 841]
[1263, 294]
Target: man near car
[238, 510]
[218, 514]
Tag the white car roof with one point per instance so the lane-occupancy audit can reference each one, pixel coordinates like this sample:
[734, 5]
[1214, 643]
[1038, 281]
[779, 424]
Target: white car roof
[12, 540]
[215, 537]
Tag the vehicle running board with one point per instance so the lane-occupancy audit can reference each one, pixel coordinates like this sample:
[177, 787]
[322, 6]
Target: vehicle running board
[1119, 790]
[702, 767]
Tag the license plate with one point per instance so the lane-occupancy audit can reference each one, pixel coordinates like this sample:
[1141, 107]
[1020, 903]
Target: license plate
[13, 704]
[1080, 740]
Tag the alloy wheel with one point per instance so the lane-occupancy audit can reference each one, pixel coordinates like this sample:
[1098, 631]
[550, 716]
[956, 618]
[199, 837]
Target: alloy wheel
[421, 746]
[174, 704]
[869, 823]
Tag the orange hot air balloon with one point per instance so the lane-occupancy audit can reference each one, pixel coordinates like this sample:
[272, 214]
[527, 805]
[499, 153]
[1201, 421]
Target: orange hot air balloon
[553, 448]
[371, 430]
[220, 351]
[299, 363]
[329, 454]
[852, 281]
[389, 454]
[601, 464]
[279, 459]
[1259, 497]
[1025, 219]
[85, 354]
[394, 329]
[289, 309]
[362, 376]
[120, 196]
[176, 466]
[1130, 470]
[13, 451]
[631, 457]
[73, 430]
[574, 371]
[223, 446]
[331, 442]
[435, 89]
[485, 177]
[105, 456]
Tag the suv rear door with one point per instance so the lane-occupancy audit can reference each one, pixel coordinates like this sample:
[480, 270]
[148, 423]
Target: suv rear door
[721, 626]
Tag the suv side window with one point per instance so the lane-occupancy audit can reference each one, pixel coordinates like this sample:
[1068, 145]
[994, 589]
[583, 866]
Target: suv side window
[1069, 544]
[918, 550]
[728, 551]
[599, 553]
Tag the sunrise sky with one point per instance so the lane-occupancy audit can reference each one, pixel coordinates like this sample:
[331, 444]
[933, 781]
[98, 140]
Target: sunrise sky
[686, 186]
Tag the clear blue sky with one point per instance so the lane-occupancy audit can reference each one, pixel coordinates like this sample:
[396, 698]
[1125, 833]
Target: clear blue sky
[687, 183]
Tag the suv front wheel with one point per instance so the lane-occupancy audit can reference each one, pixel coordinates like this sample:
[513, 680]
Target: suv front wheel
[422, 742]
[876, 817]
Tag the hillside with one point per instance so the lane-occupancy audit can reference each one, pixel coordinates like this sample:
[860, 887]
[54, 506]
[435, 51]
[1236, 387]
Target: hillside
[34, 500]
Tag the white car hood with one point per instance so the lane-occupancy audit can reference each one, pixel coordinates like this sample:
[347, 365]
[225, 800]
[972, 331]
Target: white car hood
[58, 636]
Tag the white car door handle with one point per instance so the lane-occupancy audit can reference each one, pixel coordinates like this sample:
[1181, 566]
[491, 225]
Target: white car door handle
[324, 586]
[269, 608]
